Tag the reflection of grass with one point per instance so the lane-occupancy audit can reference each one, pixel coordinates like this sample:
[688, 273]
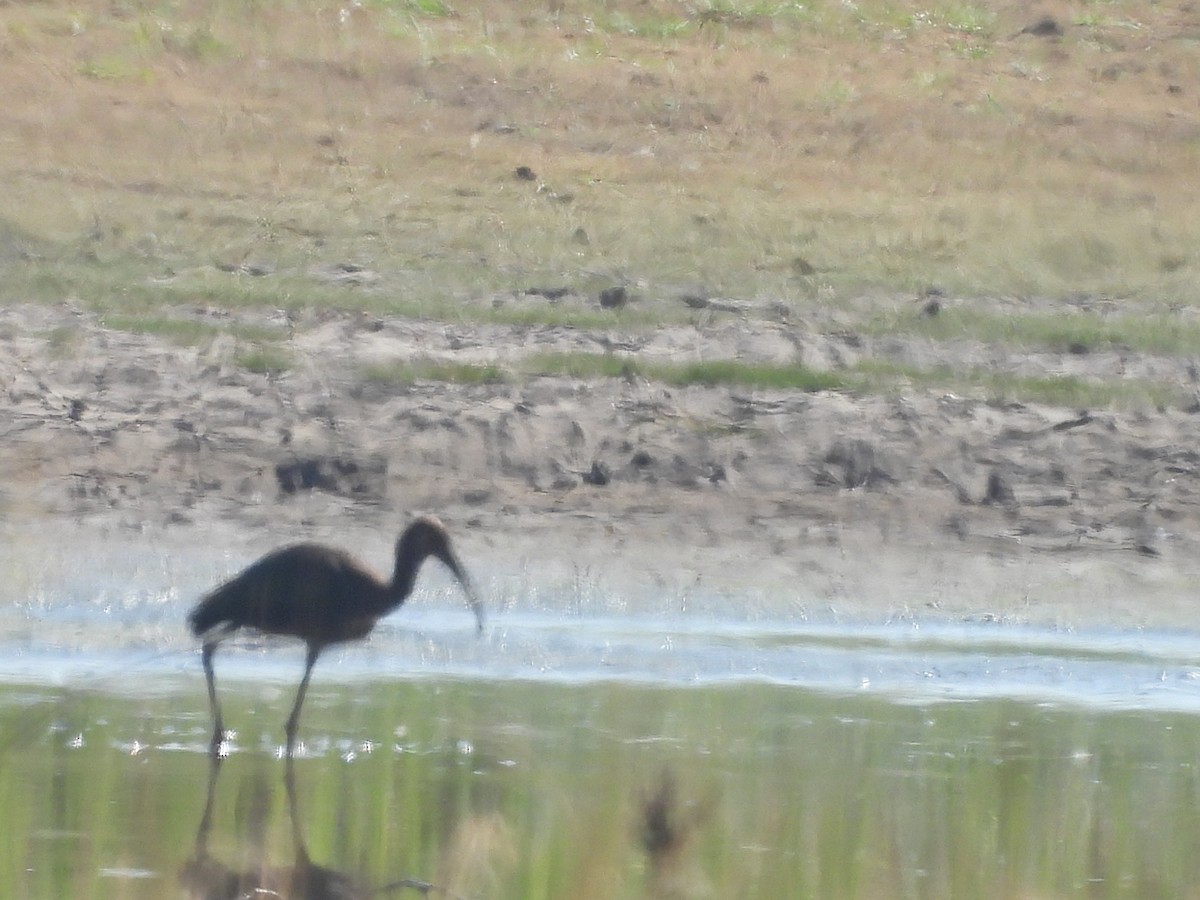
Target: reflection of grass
[536, 790]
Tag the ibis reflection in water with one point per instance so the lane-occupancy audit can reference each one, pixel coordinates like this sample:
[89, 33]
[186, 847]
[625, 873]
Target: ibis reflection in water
[318, 594]
[203, 875]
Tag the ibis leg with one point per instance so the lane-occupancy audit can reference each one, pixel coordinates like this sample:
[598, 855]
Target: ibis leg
[294, 719]
[218, 728]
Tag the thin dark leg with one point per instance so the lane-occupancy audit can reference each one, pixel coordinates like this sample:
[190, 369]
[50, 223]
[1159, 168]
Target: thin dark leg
[218, 728]
[294, 718]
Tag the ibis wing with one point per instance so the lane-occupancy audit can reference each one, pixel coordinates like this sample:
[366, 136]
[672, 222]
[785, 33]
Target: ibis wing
[309, 591]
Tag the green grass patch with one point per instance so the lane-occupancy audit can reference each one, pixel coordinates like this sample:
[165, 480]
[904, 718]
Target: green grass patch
[869, 376]
[64, 340]
[432, 9]
[759, 375]
[611, 365]
[583, 365]
[115, 68]
[1070, 331]
[1069, 391]
[264, 360]
[572, 315]
[712, 372]
[412, 371]
[189, 332]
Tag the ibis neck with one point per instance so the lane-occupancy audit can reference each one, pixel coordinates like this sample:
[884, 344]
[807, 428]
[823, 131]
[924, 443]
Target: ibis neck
[404, 576]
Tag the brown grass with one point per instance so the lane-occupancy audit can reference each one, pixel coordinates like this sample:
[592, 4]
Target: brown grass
[762, 150]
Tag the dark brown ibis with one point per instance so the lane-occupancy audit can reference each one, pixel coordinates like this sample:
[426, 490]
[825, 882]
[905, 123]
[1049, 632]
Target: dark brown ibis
[318, 594]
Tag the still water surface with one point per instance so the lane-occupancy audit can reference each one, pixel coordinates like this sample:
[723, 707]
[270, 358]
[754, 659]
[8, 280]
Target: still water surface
[598, 752]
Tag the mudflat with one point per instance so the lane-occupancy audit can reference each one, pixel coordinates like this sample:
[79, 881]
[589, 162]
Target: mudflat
[916, 504]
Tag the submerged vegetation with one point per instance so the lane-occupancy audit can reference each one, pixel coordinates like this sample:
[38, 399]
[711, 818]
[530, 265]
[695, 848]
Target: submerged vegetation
[540, 791]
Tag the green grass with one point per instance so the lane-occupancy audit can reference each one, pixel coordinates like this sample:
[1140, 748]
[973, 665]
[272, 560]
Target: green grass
[730, 372]
[733, 372]
[867, 376]
[189, 332]
[1068, 331]
[64, 339]
[433, 9]
[264, 360]
[583, 365]
[413, 371]
[1052, 390]
[611, 365]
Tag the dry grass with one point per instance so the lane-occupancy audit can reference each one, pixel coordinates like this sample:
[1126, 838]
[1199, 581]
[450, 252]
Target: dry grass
[783, 151]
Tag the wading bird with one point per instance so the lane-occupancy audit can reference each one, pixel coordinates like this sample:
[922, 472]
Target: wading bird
[322, 596]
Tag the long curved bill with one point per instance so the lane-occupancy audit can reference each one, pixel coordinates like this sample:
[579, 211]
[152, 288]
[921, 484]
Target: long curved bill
[476, 606]
[460, 573]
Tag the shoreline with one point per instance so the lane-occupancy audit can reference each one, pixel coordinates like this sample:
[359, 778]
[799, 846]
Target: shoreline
[811, 504]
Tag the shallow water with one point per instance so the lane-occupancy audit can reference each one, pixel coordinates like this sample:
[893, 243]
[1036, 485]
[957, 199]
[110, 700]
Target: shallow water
[586, 749]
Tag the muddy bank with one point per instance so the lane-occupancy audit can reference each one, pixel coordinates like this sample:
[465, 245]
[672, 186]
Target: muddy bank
[925, 505]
